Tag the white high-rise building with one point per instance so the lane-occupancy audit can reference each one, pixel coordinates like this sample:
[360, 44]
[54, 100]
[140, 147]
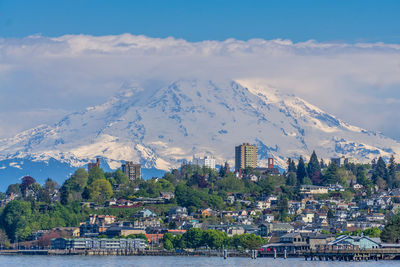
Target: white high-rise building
[207, 161]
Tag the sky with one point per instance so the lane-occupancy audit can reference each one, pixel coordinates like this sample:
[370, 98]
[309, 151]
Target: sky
[322, 20]
[58, 57]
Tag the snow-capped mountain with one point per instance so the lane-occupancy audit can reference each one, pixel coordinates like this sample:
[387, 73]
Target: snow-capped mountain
[160, 126]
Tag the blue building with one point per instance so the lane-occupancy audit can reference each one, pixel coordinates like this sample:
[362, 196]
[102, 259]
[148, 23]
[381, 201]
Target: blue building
[362, 242]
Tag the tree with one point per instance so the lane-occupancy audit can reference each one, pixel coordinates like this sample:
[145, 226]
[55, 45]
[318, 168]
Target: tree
[291, 165]
[191, 198]
[168, 245]
[117, 177]
[14, 189]
[73, 187]
[331, 175]
[120, 177]
[4, 240]
[362, 178]
[79, 179]
[301, 171]
[313, 165]
[322, 164]
[194, 238]
[215, 239]
[26, 182]
[15, 219]
[179, 242]
[267, 185]
[231, 184]
[100, 190]
[291, 179]
[251, 241]
[372, 232]
[283, 208]
[391, 231]
[49, 189]
[379, 171]
[391, 177]
[96, 173]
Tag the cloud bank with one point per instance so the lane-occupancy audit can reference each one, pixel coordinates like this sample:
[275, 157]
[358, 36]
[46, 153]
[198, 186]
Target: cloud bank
[43, 78]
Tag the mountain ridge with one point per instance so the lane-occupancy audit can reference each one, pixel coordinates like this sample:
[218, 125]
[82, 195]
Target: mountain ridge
[162, 126]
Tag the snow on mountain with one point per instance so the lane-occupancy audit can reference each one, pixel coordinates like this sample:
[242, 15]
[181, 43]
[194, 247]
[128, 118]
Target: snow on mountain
[160, 126]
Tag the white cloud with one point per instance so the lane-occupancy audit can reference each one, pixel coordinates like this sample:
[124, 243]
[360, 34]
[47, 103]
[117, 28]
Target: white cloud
[357, 82]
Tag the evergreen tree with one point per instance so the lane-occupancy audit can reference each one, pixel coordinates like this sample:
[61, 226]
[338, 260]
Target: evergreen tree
[322, 164]
[314, 169]
[380, 171]
[301, 171]
[391, 232]
[291, 179]
[362, 178]
[332, 174]
[373, 164]
[313, 164]
[391, 172]
[283, 208]
[291, 165]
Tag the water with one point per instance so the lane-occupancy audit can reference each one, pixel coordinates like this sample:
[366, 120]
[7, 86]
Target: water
[148, 261]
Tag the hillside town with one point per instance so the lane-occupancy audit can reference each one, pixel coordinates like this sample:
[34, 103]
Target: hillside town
[309, 205]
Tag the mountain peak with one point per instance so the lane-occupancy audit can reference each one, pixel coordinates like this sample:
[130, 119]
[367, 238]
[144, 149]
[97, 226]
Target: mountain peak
[161, 124]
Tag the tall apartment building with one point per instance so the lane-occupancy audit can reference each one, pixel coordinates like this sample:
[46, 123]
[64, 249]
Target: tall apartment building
[133, 171]
[245, 156]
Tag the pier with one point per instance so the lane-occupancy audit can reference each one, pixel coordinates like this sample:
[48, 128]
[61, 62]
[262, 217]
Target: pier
[353, 255]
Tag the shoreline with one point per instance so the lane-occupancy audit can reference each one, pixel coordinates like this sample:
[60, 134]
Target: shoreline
[306, 256]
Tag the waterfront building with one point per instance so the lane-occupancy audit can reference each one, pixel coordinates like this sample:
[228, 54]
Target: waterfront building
[362, 242]
[98, 243]
[133, 171]
[245, 156]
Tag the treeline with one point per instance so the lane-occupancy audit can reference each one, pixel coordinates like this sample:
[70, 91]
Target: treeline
[370, 232]
[317, 172]
[196, 238]
[98, 186]
[391, 231]
[20, 218]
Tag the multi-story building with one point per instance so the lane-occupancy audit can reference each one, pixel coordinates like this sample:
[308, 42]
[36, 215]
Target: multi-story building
[207, 161]
[98, 243]
[245, 156]
[133, 171]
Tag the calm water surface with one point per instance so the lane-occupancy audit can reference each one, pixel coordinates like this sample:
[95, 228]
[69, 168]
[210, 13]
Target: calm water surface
[108, 261]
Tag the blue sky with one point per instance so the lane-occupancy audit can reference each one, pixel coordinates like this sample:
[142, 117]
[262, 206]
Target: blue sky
[352, 70]
[333, 21]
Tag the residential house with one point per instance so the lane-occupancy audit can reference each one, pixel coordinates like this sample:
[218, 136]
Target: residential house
[313, 190]
[167, 195]
[118, 229]
[279, 228]
[145, 213]
[177, 213]
[263, 205]
[307, 216]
